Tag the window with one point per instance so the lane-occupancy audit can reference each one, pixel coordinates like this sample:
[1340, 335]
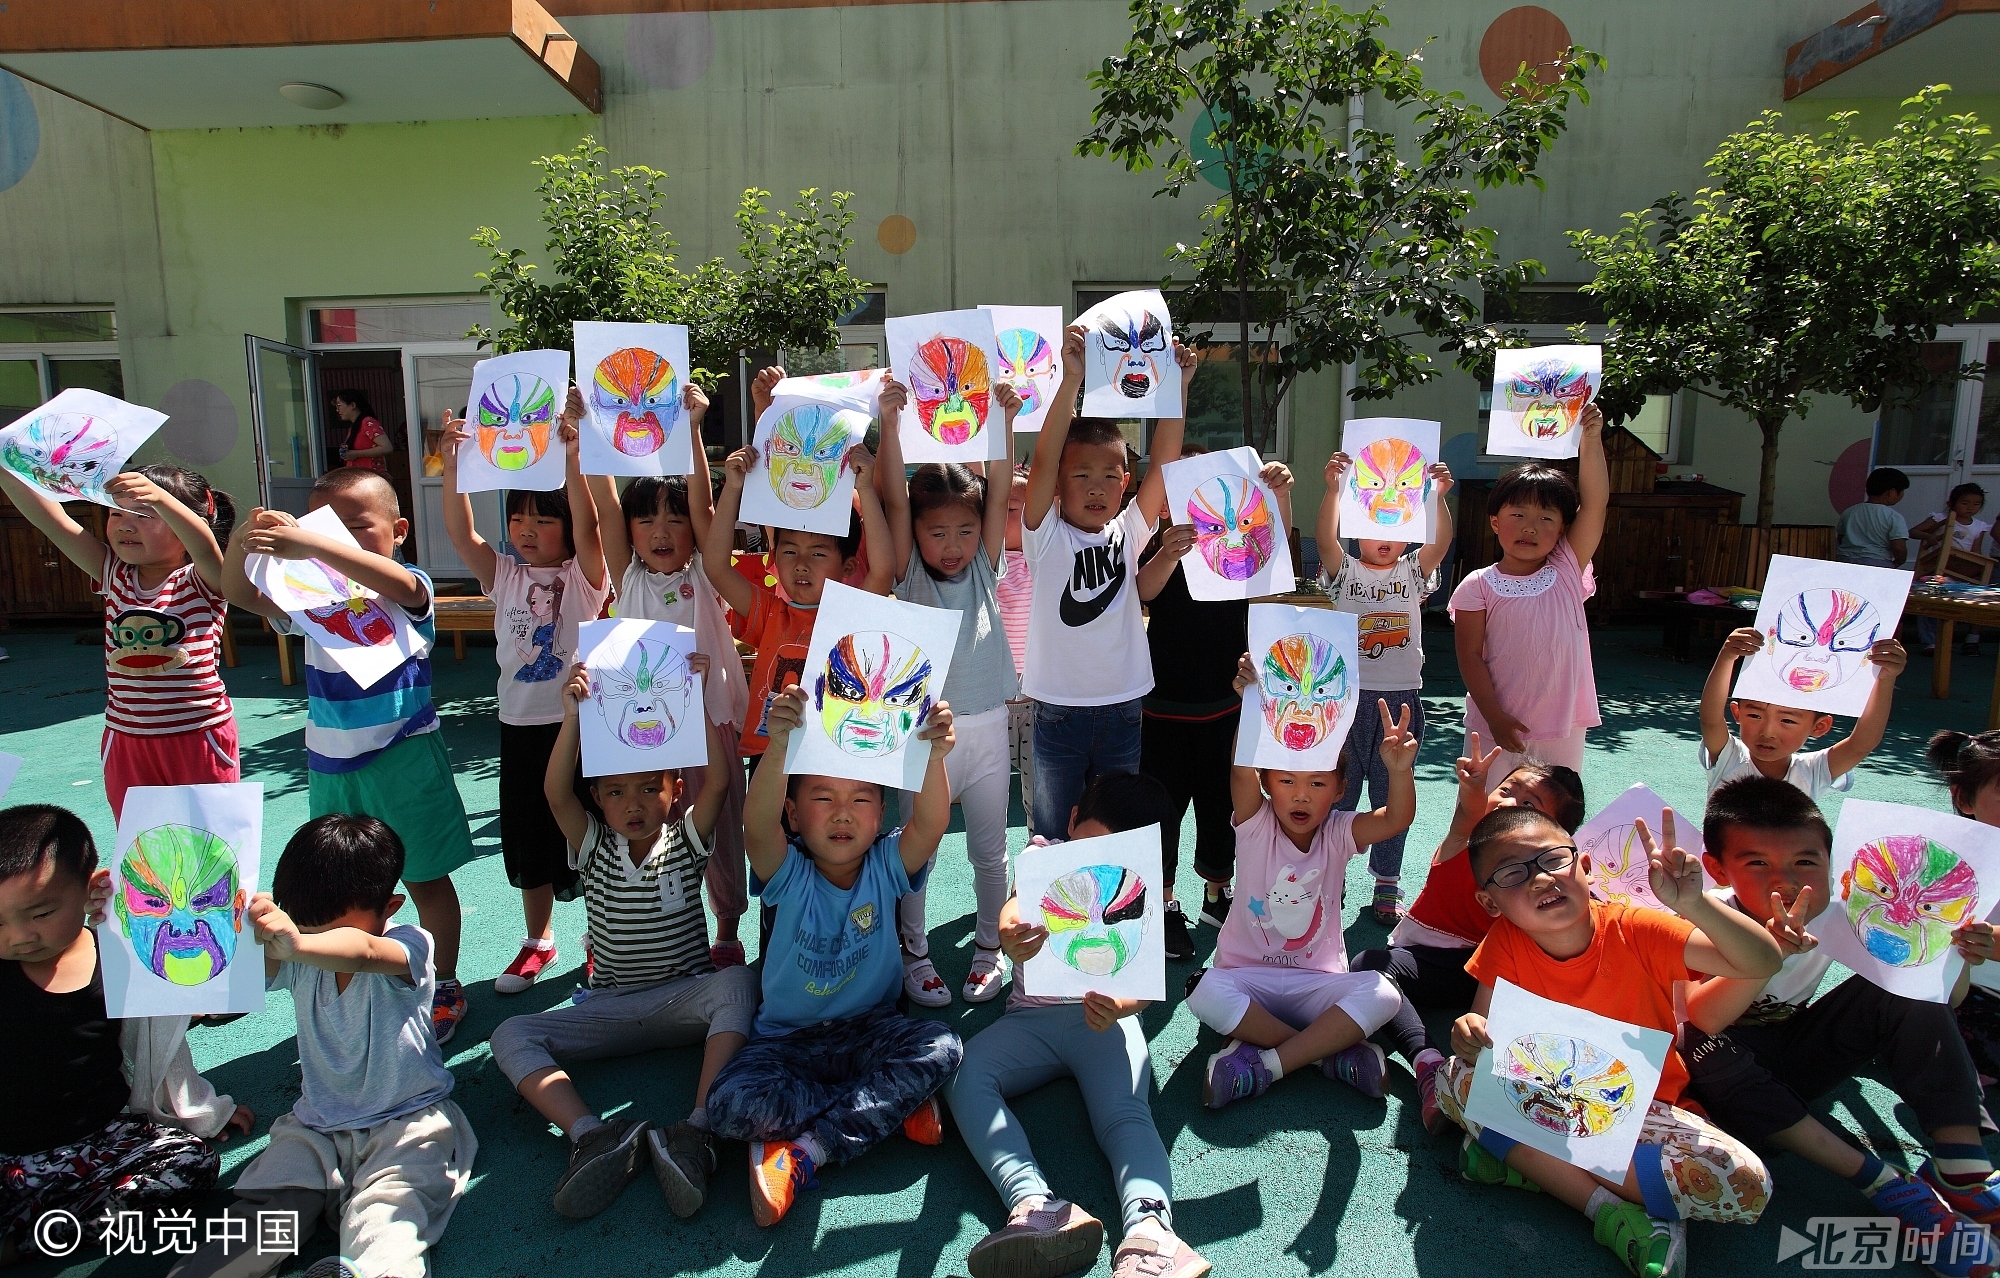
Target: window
[44, 352]
[395, 323]
[1545, 315]
[1917, 423]
[861, 343]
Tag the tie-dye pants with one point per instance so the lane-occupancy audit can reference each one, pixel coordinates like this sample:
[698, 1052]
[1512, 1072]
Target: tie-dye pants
[129, 1164]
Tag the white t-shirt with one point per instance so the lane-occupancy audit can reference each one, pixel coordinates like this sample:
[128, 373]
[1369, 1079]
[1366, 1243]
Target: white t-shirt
[686, 599]
[1809, 770]
[1963, 536]
[1388, 606]
[1794, 985]
[1086, 638]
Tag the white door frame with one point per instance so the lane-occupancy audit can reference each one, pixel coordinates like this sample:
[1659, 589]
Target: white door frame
[252, 347]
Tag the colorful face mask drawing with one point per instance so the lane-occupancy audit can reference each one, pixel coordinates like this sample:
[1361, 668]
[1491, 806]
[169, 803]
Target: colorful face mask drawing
[359, 620]
[1304, 682]
[1389, 480]
[805, 452]
[874, 694]
[639, 388]
[516, 415]
[1567, 1085]
[1133, 341]
[1618, 865]
[313, 584]
[1905, 895]
[180, 904]
[1028, 365]
[1550, 397]
[645, 700]
[66, 453]
[1822, 637]
[1233, 528]
[953, 389]
[1096, 918]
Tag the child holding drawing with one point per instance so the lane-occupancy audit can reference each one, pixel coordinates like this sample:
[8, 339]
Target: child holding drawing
[1770, 739]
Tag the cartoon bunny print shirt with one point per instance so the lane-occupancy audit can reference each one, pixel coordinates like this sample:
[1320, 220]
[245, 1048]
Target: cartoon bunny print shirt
[1287, 911]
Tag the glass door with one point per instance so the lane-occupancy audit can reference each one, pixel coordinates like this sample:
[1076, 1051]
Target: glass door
[284, 411]
[1979, 418]
[436, 379]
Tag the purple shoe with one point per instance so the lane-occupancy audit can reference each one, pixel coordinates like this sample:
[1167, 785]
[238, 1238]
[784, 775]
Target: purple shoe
[1235, 1073]
[1362, 1067]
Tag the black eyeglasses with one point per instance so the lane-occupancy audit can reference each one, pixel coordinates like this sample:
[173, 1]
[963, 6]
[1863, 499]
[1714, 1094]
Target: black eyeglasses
[1548, 861]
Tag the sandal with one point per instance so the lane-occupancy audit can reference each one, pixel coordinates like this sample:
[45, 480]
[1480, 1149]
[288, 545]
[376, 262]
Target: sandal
[987, 975]
[923, 984]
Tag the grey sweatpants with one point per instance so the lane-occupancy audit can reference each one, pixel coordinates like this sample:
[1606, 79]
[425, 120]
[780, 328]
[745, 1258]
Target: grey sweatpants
[625, 1022]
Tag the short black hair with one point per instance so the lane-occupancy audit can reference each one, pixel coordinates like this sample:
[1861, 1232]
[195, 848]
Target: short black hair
[935, 485]
[33, 833]
[191, 489]
[1123, 801]
[1886, 479]
[1965, 490]
[553, 504]
[1568, 787]
[1093, 431]
[339, 862]
[849, 541]
[1760, 803]
[1535, 485]
[1497, 827]
[343, 479]
[1968, 763]
[644, 496]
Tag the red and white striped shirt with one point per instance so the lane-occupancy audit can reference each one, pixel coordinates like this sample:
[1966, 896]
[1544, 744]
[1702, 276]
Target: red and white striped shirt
[160, 650]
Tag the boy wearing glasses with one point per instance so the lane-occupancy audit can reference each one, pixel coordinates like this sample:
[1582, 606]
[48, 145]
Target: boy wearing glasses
[1550, 938]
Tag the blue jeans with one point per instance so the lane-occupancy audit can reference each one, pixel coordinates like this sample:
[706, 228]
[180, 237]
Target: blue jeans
[850, 1083]
[1363, 753]
[1074, 744]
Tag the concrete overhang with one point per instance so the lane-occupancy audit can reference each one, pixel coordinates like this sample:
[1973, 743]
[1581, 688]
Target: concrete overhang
[1893, 48]
[195, 64]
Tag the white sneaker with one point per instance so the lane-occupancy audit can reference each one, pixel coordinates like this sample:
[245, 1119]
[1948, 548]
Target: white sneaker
[923, 984]
[986, 977]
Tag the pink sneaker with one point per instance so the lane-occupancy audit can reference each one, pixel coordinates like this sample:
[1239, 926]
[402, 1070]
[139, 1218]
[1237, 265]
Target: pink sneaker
[1153, 1251]
[527, 965]
[1429, 1065]
[1039, 1242]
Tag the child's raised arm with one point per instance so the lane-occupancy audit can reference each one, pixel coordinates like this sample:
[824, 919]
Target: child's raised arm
[1278, 478]
[1045, 467]
[881, 579]
[892, 477]
[701, 493]
[1326, 529]
[559, 780]
[588, 545]
[77, 544]
[1744, 641]
[720, 542]
[1439, 545]
[478, 555]
[1246, 788]
[999, 483]
[277, 534]
[1399, 756]
[612, 533]
[930, 815]
[764, 840]
[1475, 799]
[1165, 446]
[1725, 942]
[340, 949]
[133, 491]
[1846, 755]
[1719, 1002]
[708, 806]
[237, 587]
[1593, 487]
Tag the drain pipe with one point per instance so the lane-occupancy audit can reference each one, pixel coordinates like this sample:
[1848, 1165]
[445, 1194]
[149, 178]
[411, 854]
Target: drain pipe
[1350, 373]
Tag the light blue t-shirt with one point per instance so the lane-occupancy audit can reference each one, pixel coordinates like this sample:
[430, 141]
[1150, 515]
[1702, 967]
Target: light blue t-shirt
[1866, 531]
[982, 674]
[367, 1055]
[833, 952]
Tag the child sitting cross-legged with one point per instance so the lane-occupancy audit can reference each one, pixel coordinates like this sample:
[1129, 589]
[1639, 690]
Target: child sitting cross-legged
[1773, 736]
[1551, 939]
[1761, 1050]
[1280, 987]
[652, 983]
[833, 1067]
[375, 1143]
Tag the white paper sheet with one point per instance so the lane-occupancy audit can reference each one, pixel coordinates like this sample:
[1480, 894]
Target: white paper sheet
[177, 939]
[1297, 715]
[10, 766]
[1618, 866]
[1100, 900]
[948, 360]
[1128, 351]
[1818, 619]
[1240, 549]
[1539, 395]
[801, 479]
[874, 669]
[1903, 880]
[515, 406]
[1386, 494]
[359, 633]
[644, 711]
[68, 447]
[1030, 339]
[633, 377]
[855, 391]
[1565, 1081]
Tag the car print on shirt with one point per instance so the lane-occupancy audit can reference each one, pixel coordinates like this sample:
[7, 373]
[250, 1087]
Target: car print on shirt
[1381, 631]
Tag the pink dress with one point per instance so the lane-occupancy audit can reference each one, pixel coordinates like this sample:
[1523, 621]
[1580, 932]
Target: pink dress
[1537, 645]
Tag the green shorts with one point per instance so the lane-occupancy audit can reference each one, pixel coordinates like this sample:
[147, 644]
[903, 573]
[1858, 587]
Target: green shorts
[409, 788]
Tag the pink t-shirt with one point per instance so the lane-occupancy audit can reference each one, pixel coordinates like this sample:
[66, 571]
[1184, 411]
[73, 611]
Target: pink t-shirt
[536, 612]
[1537, 644]
[1017, 594]
[1287, 911]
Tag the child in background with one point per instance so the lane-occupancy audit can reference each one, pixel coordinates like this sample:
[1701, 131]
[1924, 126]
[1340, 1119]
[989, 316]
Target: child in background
[949, 531]
[1772, 735]
[834, 1067]
[167, 717]
[1760, 1051]
[1016, 590]
[1874, 532]
[554, 581]
[102, 1117]
[1960, 520]
[1087, 666]
[1970, 766]
[652, 538]
[1384, 585]
[1523, 645]
[1280, 988]
[375, 1141]
[376, 749]
[651, 984]
[1042, 1038]
[1550, 938]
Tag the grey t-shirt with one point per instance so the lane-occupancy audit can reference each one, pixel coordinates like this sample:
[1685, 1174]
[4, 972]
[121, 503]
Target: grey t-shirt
[369, 1054]
[1866, 531]
[982, 674]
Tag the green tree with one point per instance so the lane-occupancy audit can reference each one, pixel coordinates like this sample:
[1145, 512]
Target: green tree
[610, 259]
[1337, 251]
[1813, 266]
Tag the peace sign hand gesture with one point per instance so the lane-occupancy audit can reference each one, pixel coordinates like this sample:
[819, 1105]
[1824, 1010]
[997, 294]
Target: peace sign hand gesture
[1672, 870]
[1788, 926]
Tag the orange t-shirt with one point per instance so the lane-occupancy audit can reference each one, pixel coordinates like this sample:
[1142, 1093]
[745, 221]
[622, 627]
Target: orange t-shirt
[781, 632]
[1627, 974]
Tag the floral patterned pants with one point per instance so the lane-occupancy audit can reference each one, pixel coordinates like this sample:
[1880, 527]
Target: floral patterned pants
[129, 1164]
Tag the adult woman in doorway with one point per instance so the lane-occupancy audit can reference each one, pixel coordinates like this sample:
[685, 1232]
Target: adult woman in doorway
[366, 443]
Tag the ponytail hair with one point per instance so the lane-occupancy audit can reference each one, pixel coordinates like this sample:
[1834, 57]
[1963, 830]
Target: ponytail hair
[1968, 763]
[192, 490]
[936, 485]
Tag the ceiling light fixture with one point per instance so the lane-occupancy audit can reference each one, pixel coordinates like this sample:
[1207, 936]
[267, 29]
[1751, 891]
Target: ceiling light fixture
[313, 97]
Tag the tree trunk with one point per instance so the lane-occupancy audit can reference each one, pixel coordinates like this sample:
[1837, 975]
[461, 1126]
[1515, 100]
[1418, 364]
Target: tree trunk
[1767, 478]
[1250, 431]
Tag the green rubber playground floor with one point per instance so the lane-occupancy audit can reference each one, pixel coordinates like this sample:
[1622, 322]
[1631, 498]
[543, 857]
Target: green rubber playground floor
[1310, 1179]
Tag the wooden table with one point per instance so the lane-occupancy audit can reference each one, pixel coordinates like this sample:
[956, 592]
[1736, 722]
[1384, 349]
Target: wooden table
[1947, 611]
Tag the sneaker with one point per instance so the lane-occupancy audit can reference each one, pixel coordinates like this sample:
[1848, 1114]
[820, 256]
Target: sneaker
[600, 1166]
[1388, 904]
[778, 1171]
[1180, 946]
[1650, 1248]
[987, 975]
[1235, 1073]
[1057, 1237]
[683, 1158]
[1153, 1251]
[923, 984]
[1215, 911]
[1362, 1067]
[727, 954]
[1924, 1206]
[1428, 1069]
[1479, 1165]
[531, 962]
[447, 1010]
[1981, 1203]
[925, 1125]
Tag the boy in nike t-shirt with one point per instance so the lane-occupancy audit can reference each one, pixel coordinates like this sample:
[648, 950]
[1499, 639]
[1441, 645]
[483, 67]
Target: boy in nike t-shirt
[1087, 665]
